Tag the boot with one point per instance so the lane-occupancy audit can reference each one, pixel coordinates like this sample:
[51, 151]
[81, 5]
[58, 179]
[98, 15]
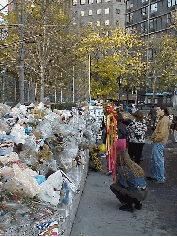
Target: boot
[138, 205]
[127, 207]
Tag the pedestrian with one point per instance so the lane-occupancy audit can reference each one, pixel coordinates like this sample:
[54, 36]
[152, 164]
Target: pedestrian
[128, 108]
[136, 136]
[130, 186]
[174, 127]
[133, 109]
[159, 139]
[153, 115]
[104, 132]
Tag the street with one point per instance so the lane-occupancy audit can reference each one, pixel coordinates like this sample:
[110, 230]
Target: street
[99, 215]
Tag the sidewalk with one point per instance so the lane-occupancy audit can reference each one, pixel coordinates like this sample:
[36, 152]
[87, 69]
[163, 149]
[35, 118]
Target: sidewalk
[99, 215]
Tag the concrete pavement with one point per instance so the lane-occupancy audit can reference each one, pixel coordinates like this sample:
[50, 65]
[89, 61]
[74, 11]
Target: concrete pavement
[98, 213]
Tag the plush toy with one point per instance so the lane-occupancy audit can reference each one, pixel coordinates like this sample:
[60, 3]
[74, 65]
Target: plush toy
[44, 153]
[51, 188]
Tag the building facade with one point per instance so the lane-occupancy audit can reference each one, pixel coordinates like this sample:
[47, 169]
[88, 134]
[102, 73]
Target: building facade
[98, 13]
[149, 17]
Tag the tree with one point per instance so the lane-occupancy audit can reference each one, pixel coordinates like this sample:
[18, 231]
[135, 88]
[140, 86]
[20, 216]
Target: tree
[163, 64]
[41, 44]
[113, 54]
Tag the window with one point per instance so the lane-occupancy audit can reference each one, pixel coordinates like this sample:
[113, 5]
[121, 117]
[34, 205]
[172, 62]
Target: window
[129, 4]
[82, 13]
[154, 7]
[107, 11]
[74, 2]
[143, 28]
[118, 0]
[117, 22]
[144, 11]
[98, 23]
[117, 11]
[98, 1]
[172, 3]
[90, 1]
[106, 22]
[169, 3]
[169, 18]
[152, 24]
[90, 12]
[98, 12]
[144, 1]
[107, 0]
[82, 2]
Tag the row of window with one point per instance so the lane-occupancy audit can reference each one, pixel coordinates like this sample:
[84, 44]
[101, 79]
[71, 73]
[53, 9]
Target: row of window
[153, 7]
[98, 23]
[153, 23]
[172, 3]
[106, 23]
[82, 2]
[98, 12]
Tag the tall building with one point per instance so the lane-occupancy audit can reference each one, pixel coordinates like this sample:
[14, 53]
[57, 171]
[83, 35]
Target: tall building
[149, 17]
[98, 13]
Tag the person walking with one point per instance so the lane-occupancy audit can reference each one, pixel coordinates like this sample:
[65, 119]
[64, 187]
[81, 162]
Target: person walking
[153, 115]
[136, 136]
[130, 186]
[133, 109]
[159, 139]
[174, 127]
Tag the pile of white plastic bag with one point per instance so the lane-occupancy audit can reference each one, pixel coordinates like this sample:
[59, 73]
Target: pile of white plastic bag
[45, 150]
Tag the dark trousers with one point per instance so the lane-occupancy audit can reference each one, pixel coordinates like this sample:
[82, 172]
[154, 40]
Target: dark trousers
[124, 196]
[135, 151]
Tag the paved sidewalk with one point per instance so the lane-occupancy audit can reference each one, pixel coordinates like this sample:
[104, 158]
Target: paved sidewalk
[99, 215]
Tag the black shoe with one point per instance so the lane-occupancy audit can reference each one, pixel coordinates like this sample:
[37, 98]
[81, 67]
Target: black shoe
[138, 205]
[150, 178]
[126, 207]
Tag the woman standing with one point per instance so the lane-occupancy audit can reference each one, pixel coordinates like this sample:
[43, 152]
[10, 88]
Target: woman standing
[159, 139]
[136, 137]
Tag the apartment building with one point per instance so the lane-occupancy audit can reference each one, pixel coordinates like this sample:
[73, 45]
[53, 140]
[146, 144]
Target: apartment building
[98, 13]
[149, 17]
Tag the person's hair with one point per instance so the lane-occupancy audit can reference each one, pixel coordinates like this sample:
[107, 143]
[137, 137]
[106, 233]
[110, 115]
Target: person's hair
[139, 115]
[164, 108]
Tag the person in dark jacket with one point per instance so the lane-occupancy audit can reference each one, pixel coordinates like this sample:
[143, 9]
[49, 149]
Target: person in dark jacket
[130, 186]
[153, 115]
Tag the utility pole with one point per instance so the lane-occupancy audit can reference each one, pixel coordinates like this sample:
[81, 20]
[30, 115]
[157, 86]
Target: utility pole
[89, 78]
[43, 57]
[149, 6]
[73, 84]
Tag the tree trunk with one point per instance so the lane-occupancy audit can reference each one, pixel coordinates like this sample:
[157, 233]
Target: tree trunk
[22, 57]
[154, 87]
[42, 84]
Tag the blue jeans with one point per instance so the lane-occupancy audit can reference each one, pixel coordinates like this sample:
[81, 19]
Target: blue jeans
[158, 161]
